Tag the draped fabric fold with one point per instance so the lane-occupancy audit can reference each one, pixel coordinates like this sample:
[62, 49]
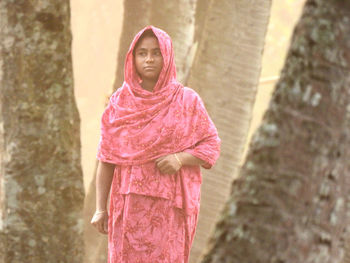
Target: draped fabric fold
[138, 126]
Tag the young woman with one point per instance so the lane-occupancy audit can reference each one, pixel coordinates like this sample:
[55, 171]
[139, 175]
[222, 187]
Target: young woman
[155, 135]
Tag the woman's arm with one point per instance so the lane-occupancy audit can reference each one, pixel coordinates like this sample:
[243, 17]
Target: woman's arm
[189, 159]
[104, 178]
[169, 164]
[207, 150]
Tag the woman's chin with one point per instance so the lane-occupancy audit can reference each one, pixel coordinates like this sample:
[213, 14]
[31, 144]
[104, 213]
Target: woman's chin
[150, 77]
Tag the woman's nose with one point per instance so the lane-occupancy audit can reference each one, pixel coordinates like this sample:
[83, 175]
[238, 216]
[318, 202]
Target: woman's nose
[149, 58]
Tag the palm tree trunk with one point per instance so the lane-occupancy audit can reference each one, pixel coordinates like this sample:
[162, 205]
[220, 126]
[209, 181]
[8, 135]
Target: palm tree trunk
[41, 179]
[225, 73]
[291, 200]
[177, 18]
[201, 14]
[136, 16]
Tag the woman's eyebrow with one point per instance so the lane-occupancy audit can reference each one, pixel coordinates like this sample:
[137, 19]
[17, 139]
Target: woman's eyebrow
[142, 48]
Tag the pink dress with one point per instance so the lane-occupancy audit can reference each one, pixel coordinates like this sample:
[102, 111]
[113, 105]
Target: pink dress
[153, 216]
[146, 225]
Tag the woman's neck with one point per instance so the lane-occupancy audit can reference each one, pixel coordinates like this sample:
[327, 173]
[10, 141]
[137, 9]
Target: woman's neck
[148, 85]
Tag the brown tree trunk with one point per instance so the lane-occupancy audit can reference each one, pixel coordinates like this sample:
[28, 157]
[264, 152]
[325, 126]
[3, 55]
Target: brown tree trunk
[41, 179]
[291, 200]
[225, 72]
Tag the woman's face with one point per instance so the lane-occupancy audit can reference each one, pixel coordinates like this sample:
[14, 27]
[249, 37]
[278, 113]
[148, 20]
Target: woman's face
[148, 59]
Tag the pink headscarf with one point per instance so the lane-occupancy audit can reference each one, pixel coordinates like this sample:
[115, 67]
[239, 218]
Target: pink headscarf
[139, 126]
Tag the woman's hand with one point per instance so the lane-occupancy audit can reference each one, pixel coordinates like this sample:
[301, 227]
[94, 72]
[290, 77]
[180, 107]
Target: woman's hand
[168, 164]
[100, 221]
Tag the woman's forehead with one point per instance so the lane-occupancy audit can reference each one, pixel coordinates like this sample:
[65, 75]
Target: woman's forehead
[148, 42]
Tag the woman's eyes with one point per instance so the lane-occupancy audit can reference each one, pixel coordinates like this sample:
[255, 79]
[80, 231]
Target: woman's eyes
[142, 53]
[155, 53]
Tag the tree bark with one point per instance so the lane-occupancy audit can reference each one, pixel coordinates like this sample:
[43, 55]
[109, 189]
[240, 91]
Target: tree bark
[225, 73]
[41, 179]
[177, 18]
[291, 200]
[136, 16]
[202, 8]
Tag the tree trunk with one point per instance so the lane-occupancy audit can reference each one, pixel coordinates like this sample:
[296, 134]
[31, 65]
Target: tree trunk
[225, 73]
[136, 16]
[41, 179]
[291, 200]
[177, 19]
[200, 17]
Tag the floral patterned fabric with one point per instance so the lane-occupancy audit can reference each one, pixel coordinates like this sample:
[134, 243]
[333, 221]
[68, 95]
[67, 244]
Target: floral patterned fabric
[149, 230]
[137, 127]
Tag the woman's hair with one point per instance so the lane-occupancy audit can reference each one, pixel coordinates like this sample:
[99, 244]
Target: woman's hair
[146, 33]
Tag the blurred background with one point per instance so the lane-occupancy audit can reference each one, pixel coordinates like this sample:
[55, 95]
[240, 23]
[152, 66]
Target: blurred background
[282, 196]
[96, 28]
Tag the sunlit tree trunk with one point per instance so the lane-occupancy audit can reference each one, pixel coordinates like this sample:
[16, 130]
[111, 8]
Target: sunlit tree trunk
[225, 73]
[177, 19]
[290, 202]
[200, 17]
[137, 15]
[42, 192]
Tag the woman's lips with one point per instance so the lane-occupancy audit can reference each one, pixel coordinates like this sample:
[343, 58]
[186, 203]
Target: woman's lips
[149, 68]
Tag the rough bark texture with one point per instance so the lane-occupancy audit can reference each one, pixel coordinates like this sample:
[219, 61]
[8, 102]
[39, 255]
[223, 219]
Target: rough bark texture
[291, 200]
[41, 179]
[177, 19]
[346, 258]
[225, 73]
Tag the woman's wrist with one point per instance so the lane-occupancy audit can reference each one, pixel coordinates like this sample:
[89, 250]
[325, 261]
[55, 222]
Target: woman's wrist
[182, 157]
[178, 159]
[189, 159]
[100, 212]
[101, 207]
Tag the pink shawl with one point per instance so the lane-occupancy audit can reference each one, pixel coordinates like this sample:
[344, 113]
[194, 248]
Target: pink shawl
[138, 126]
